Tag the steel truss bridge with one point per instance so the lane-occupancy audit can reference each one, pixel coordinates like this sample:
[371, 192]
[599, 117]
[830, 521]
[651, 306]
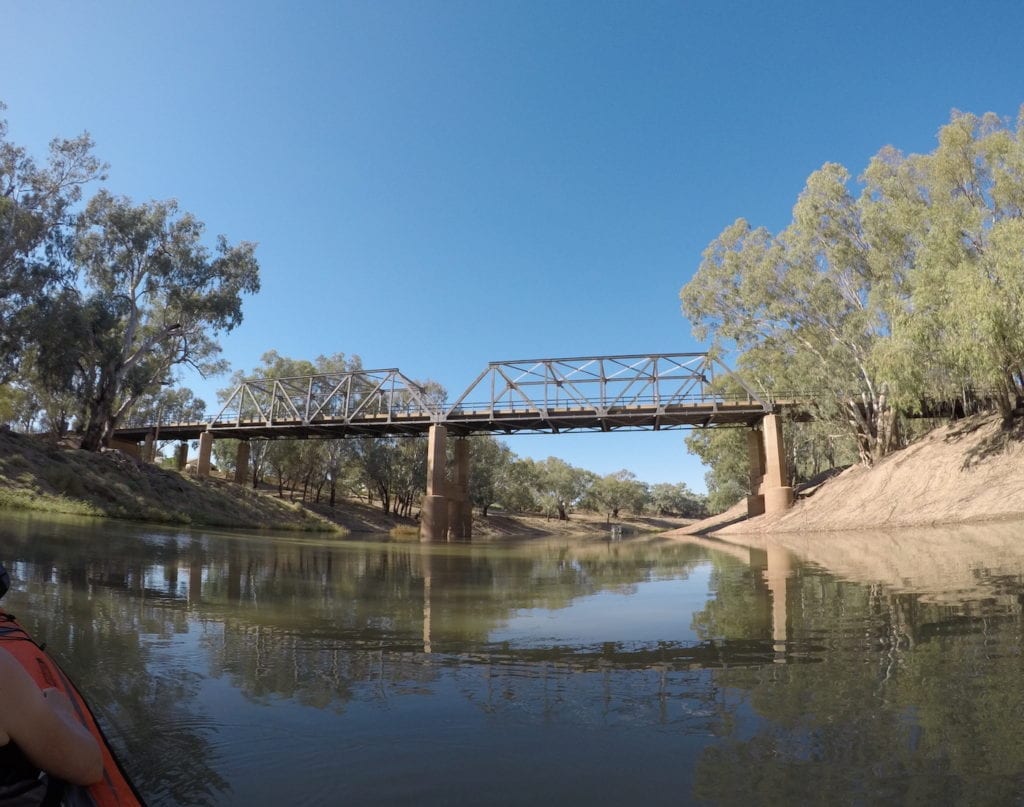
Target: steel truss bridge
[594, 393]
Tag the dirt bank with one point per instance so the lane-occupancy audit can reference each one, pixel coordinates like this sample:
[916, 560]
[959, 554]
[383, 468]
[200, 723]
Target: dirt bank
[36, 474]
[970, 471]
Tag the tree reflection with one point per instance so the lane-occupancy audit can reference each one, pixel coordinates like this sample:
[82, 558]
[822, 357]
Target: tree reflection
[97, 616]
[912, 701]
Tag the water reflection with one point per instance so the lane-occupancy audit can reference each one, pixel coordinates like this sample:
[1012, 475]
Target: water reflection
[244, 668]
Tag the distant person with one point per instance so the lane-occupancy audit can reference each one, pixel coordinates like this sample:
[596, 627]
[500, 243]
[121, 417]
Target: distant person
[39, 732]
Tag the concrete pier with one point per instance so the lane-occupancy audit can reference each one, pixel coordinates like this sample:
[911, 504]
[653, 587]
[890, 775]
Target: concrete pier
[434, 511]
[242, 462]
[770, 491]
[181, 456]
[205, 455]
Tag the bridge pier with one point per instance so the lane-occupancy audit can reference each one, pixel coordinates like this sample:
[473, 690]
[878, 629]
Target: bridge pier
[181, 456]
[446, 513]
[149, 447]
[205, 453]
[242, 462]
[770, 491]
[434, 510]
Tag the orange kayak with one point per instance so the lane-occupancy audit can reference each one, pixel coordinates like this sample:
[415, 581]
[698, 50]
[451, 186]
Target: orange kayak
[115, 788]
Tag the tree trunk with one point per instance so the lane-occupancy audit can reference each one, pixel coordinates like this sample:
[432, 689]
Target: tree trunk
[99, 421]
[875, 426]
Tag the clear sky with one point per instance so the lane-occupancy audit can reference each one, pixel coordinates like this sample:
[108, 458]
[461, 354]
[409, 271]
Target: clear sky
[437, 185]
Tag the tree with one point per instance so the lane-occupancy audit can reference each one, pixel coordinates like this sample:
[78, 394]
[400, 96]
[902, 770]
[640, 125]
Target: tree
[725, 453]
[36, 204]
[949, 225]
[518, 491]
[154, 297]
[620, 490]
[803, 299]
[907, 295]
[561, 485]
[677, 500]
[490, 464]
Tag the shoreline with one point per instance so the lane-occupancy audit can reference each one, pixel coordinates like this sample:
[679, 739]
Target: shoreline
[969, 472]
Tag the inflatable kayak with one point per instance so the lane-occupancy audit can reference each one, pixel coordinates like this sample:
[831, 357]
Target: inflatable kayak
[115, 788]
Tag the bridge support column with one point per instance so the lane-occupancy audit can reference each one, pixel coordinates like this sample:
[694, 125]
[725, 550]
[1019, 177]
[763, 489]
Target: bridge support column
[755, 453]
[460, 509]
[769, 477]
[205, 452]
[242, 462]
[434, 510]
[149, 448]
[778, 495]
[181, 456]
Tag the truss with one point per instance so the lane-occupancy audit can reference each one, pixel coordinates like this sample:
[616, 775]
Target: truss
[649, 391]
[331, 402]
[595, 393]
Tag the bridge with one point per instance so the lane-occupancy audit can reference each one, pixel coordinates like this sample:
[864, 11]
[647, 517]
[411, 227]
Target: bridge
[553, 395]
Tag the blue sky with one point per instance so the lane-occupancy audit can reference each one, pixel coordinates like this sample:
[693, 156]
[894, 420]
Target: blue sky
[437, 185]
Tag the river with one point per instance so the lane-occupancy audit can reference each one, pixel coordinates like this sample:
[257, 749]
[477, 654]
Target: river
[247, 669]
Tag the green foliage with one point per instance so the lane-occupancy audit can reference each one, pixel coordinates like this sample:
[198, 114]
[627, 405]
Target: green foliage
[879, 301]
[36, 202]
[490, 467]
[620, 491]
[724, 452]
[677, 500]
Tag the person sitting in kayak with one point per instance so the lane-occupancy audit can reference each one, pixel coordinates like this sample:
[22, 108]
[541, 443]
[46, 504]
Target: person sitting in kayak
[41, 725]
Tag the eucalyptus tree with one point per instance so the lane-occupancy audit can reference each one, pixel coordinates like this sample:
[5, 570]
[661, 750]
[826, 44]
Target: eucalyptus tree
[561, 486]
[518, 492]
[805, 297]
[877, 302]
[620, 490]
[490, 465]
[949, 226]
[156, 297]
[724, 452]
[678, 500]
[37, 205]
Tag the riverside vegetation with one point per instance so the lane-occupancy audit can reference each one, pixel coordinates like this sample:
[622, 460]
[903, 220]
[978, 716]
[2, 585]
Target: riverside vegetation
[888, 298]
[38, 474]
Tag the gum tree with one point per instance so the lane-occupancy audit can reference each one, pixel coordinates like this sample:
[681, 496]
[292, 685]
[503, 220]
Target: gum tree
[156, 297]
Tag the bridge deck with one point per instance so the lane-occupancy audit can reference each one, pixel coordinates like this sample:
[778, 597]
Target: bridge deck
[466, 422]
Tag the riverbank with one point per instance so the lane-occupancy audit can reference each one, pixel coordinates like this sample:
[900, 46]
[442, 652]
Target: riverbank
[966, 472]
[38, 474]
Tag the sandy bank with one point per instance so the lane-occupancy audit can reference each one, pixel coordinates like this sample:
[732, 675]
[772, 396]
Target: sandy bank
[970, 471]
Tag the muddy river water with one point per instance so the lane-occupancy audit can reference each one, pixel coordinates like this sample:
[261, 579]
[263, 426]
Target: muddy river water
[247, 669]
